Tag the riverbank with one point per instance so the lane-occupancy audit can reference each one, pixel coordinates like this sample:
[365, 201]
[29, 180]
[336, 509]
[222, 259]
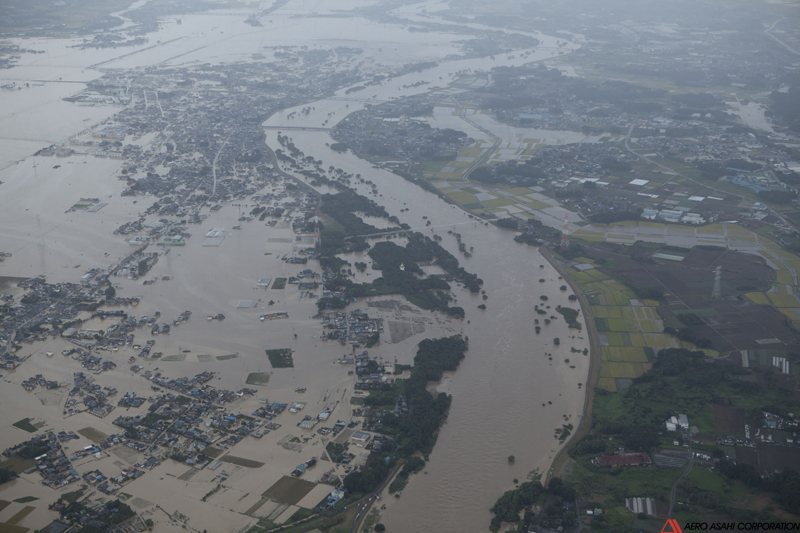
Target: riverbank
[594, 374]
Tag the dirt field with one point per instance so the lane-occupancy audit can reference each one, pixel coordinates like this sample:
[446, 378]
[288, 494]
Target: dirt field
[128, 455]
[22, 513]
[49, 397]
[733, 322]
[212, 452]
[342, 438]
[729, 420]
[17, 464]
[92, 434]
[289, 490]
[9, 528]
[391, 304]
[773, 458]
[257, 378]
[399, 331]
[747, 455]
[140, 503]
[256, 506]
[25, 425]
[241, 461]
[189, 474]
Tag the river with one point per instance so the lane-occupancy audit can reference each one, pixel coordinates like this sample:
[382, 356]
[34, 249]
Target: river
[500, 388]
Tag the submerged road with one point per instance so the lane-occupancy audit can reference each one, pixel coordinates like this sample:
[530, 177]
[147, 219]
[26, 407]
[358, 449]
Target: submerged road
[295, 128]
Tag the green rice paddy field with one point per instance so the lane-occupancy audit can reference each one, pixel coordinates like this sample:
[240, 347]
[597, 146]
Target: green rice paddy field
[629, 328]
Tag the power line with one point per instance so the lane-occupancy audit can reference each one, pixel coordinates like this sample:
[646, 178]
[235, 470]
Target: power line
[565, 233]
[716, 293]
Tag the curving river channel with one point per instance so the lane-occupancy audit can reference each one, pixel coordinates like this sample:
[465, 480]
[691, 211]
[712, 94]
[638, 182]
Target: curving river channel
[503, 389]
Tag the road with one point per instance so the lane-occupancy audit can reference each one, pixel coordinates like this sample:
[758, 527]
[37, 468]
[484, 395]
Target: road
[485, 155]
[132, 53]
[578, 517]
[214, 166]
[295, 128]
[675, 485]
[768, 32]
[373, 497]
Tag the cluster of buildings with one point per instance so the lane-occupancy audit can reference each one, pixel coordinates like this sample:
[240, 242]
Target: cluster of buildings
[310, 421]
[49, 310]
[51, 461]
[160, 430]
[209, 128]
[107, 516]
[182, 425]
[774, 421]
[356, 328]
[197, 388]
[565, 172]
[94, 397]
[39, 381]
[90, 361]
[694, 129]
[374, 418]
[208, 110]
[677, 423]
[41, 311]
[117, 439]
[673, 215]
[270, 410]
[394, 135]
[757, 182]
[111, 485]
[372, 374]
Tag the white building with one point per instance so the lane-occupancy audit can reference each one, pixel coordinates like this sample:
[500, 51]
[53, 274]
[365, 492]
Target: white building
[675, 422]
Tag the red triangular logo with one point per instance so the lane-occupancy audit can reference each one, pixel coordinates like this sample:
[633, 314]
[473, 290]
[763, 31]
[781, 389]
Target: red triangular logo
[671, 526]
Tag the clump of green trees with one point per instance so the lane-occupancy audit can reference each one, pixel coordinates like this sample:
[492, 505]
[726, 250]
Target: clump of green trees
[416, 430]
[571, 316]
[411, 466]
